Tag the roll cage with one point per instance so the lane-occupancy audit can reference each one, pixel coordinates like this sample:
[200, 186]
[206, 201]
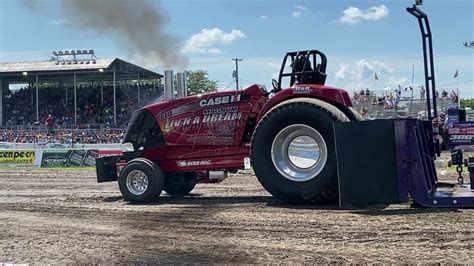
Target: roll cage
[307, 67]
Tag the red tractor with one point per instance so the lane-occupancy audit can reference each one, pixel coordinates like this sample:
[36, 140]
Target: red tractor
[286, 135]
[300, 143]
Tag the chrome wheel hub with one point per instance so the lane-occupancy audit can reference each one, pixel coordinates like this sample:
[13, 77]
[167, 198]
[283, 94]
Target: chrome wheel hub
[137, 182]
[299, 152]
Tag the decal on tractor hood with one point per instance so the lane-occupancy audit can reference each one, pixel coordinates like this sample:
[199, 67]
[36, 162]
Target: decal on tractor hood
[220, 100]
[303, 89]
[215, 140]
[209, 116]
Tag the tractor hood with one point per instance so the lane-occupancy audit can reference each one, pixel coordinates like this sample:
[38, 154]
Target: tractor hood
[165, 109]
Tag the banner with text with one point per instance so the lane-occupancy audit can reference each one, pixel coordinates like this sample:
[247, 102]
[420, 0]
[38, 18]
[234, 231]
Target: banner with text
[66, 158]
[18, 157]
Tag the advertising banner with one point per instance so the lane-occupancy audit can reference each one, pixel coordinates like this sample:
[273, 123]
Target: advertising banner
[56, 158]
[53, 157]
[67, 158]
[461, 136]
[89, 158]
[17, 157]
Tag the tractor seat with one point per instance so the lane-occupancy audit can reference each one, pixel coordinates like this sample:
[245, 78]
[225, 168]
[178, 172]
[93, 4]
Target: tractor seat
[313, 76]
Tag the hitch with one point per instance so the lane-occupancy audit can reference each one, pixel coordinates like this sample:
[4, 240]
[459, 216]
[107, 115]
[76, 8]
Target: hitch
[457, 159]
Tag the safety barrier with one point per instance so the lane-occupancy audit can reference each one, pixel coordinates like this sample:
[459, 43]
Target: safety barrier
[53, 157]
[34, 146]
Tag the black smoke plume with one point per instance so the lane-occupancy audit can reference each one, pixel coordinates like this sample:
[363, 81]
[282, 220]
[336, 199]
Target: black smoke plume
[139, 25]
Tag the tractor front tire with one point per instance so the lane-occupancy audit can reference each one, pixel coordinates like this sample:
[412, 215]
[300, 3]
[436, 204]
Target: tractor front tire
[141, 181]
[293, 151]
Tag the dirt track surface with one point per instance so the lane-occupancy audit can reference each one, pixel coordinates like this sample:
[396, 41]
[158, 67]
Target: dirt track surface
[66, 217]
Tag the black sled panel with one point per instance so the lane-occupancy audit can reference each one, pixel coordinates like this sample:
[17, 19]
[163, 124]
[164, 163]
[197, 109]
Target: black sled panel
[366, 162]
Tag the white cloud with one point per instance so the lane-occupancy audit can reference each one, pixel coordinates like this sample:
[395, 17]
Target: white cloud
[362, 69]
[61, 21]
[353, 15]
[276, 67]
[299, 9]
[214, 51]
[203, 41]
[263, 18]
[342, 72]
[360, 75]
[273, 65]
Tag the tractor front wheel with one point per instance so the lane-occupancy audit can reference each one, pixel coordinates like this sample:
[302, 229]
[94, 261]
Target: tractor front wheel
[293, 151]
[141, 181]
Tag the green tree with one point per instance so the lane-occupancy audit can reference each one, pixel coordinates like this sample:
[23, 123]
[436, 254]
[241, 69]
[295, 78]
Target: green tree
[199, 83]
[467, 103]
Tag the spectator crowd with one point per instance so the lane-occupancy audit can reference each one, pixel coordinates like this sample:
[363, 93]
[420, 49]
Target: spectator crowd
[63, 137]
[94, 103]
[391, 100]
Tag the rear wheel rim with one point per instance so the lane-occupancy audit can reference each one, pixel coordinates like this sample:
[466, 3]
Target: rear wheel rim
[137, 182]
[299, 152]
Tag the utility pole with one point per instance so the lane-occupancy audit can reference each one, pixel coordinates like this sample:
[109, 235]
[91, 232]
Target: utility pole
[237, 60]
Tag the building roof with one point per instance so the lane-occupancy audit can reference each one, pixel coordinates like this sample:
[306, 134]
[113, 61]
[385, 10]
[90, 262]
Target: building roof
[15, 70]
[40, 66]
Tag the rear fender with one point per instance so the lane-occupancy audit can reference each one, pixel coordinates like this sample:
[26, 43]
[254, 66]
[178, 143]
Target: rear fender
[333, 96]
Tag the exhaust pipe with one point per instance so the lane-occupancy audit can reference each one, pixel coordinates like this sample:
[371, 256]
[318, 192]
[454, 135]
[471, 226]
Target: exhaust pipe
[217, 176]
[169, 86]
[181, 84]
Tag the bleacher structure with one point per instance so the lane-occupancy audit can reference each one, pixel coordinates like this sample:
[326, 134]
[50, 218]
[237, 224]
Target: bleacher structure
[70, 66]
[415, 108]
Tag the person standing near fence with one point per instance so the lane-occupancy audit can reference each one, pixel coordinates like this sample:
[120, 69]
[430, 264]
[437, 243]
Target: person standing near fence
[50, 124]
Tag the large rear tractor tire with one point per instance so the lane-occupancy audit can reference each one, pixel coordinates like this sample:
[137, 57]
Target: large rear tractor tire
[180, 184]
[293, 151]
[141, 181]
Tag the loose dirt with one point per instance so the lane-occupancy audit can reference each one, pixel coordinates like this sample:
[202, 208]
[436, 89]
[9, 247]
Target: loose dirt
[60, 216]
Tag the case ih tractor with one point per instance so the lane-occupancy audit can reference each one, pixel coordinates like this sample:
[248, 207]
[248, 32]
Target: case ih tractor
[288, 138]
[305, 143]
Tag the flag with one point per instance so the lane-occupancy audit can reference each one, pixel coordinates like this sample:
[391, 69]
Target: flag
[456, 74]
[376, 77]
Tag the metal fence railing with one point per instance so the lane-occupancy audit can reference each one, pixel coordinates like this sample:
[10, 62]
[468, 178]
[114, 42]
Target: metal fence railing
[60, 128]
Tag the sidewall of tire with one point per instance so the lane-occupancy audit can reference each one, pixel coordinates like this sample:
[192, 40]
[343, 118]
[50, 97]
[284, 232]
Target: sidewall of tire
[178, 189]
[317, 189]
[155, 181]
[180, 183]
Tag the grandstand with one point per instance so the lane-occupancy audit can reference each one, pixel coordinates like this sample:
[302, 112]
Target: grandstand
[406, 107]
[79, 90]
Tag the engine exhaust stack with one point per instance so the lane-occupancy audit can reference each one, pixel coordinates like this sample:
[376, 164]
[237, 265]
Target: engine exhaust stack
[169, 85]
[181, 90]
[181, 84]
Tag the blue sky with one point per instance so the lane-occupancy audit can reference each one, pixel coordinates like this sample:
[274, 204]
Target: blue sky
[358, 37]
